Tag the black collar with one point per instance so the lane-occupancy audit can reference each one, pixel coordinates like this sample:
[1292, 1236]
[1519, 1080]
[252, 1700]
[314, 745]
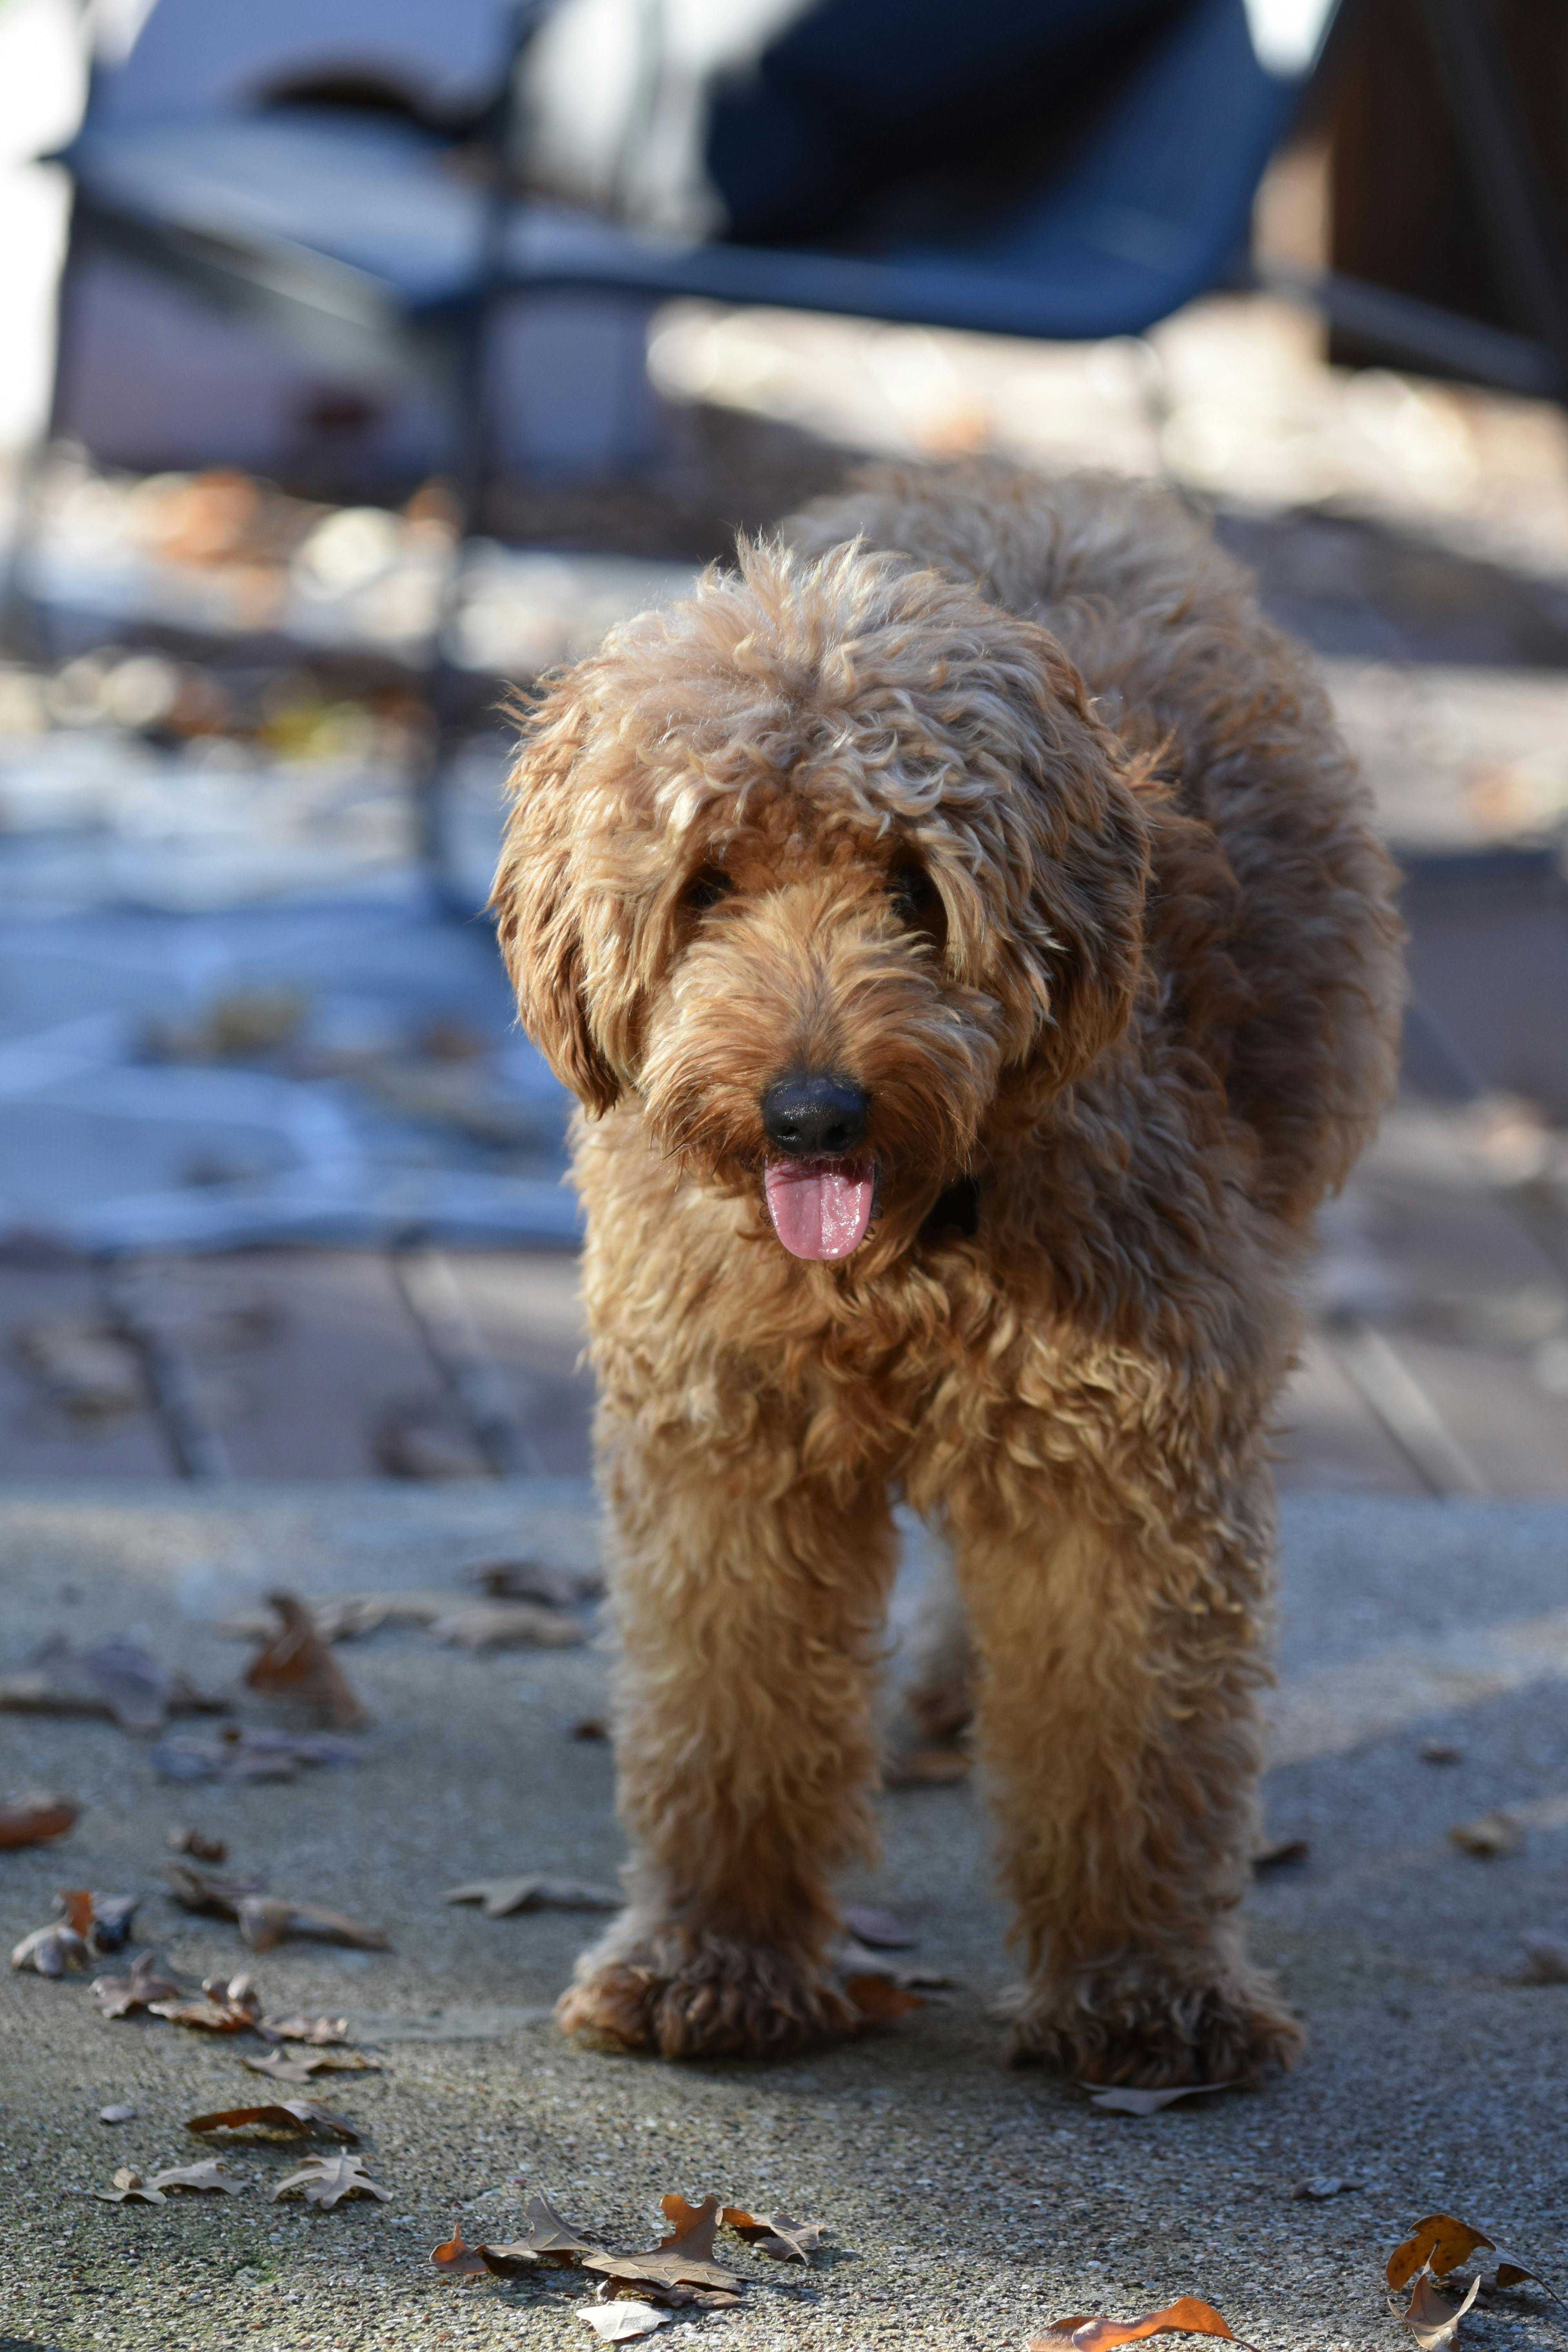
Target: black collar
[954, 1216]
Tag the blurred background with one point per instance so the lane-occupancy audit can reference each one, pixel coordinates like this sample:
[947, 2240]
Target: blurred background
[361, 361]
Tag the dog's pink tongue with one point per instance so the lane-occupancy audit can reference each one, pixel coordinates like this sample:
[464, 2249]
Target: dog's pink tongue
[820, 1208]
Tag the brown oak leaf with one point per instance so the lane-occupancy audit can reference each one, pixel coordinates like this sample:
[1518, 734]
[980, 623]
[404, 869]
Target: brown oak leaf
[297, 1665]
[297, 2066]
[226, 2007]
[288, 2119]
[1439, 2244]
[199, 1847]
[130, 2187]
[56, 1951]
[501, 1898]
[147, 1983]
[1431, 2318]
[774, 2234]
[265, 1920]
[1491, 1838]
[29, 1820]
[1126, 2101]
[326, 2179]
[683, 2259]
[508, 1625]
[1186, 2316]
[881, 2000]
[453, 2259]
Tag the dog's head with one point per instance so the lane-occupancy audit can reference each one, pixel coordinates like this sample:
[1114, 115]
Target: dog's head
[834, 869]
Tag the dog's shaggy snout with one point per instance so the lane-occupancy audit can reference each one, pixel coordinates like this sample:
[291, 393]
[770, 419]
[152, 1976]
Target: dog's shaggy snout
[809, 1117]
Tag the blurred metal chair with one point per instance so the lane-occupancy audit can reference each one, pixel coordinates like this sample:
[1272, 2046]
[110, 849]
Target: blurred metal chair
[368, 238]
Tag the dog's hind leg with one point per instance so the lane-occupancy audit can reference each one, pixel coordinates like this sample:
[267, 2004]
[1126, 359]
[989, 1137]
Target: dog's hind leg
[1120, 1731]
[749, 1597]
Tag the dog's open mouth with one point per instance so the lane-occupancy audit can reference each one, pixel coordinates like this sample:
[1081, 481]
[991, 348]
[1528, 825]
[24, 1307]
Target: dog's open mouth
[820, 1208]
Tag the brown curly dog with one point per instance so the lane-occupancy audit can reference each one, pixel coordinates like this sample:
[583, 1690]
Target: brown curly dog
[961, 926]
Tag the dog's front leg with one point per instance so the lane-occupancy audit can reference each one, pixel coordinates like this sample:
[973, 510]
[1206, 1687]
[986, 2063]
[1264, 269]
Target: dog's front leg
[748, 1598]
[1120, 1727]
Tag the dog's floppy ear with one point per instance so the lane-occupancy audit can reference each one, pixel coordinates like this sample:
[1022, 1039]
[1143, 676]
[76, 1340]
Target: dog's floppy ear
[538, 900]
[1091, 894]
[1082, 879]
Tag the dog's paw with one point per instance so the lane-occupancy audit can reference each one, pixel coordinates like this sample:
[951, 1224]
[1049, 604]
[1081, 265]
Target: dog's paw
[703, 1996]
[1134, 2026]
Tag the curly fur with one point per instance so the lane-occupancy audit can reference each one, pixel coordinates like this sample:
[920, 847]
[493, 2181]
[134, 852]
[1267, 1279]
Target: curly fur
[1151, 1007]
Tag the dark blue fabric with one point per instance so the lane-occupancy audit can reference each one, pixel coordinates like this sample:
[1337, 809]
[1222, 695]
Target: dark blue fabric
[867, 114]
[364, 227]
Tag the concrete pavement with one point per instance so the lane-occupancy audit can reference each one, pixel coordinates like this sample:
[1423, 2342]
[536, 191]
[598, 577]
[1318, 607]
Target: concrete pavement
[965, 2206]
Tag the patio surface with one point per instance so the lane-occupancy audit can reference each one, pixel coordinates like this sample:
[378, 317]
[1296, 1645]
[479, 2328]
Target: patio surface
[965, 2206]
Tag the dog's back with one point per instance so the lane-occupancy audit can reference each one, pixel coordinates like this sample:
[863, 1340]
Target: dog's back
[1284, 943]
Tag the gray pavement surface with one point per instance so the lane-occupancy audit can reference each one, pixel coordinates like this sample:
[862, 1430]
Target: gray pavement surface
[964, 2205]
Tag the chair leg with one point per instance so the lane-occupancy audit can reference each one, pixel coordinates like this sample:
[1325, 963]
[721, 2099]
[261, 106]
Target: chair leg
[25, 627]
[1516, 215]
[447, 684]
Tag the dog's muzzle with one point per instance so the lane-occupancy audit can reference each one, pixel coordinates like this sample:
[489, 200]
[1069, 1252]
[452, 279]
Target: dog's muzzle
[821, 1187]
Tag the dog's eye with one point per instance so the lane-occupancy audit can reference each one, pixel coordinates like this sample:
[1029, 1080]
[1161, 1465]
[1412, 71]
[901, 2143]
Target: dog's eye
[917, 902]
[705, 889]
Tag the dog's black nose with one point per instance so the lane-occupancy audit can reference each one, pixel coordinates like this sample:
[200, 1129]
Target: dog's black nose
[811, 1117]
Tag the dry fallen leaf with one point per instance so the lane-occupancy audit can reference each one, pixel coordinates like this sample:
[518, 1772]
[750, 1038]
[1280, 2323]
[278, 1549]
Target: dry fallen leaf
[619, 2322]
[29, 1820]
[118, 1996]
[234, 2006]
[927, 1768]
[1282, 1855]
[1545, 1960]
[532, 1579]
[319, 2032]
[881, 2000]
[56, 1951]
[349, 1616]
[683, 2259]
[849, 1959]
[207, 1893]
[1493, 1836]
[453, 2259]
[503, 1898]
[289, 2119]
[326, 2179]
[1321, 2186]
[879, 1929]
[207, 2175]
[1439, 2244]
[199, 1848]
[1509, 2271]
[129, 2186]
[1120, 2101]
[247, 1757]
[1185, 2316]
[117, 1678]
[550, 2237]
[297, 1665]
[1431, 2318]
[265, 1920]
[508, 1625]
[102, 1921]
[774, 2234]
[300, 2066]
